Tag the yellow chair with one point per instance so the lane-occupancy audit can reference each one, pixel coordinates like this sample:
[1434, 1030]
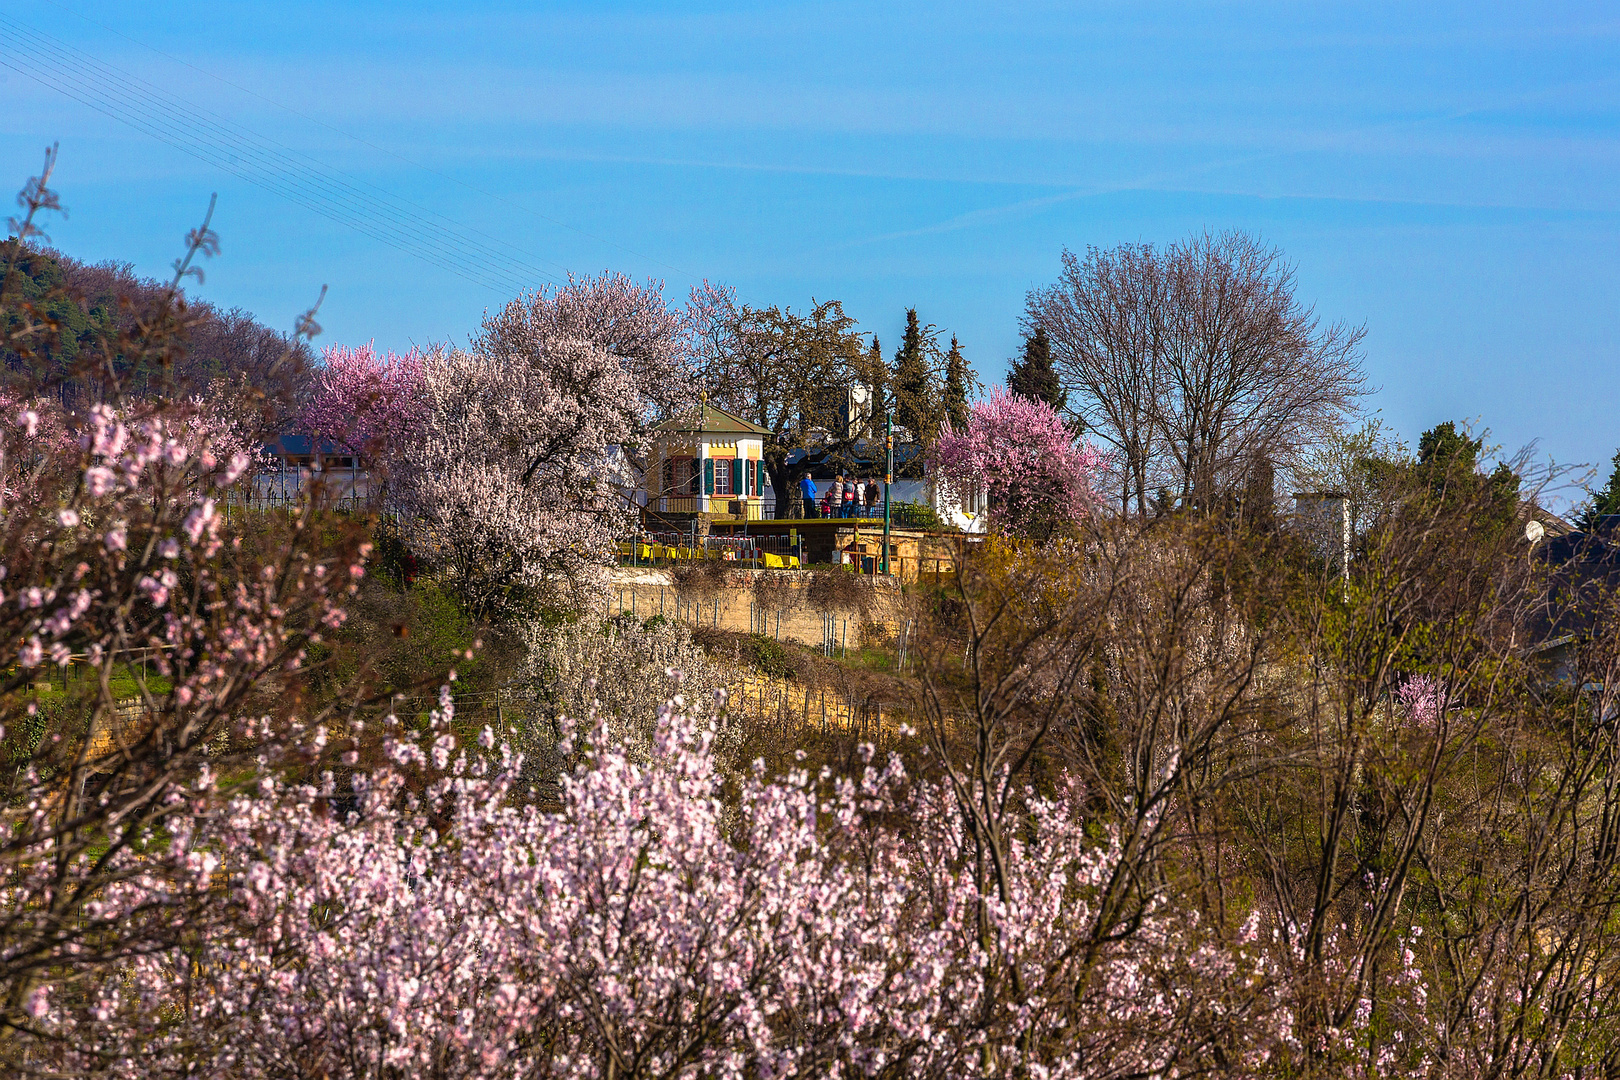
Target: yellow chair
[793, 562]
[773, 562]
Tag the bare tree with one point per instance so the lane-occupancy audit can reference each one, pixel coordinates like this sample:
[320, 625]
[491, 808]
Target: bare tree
[1104, 318]
[1194, 361]
[784, 370]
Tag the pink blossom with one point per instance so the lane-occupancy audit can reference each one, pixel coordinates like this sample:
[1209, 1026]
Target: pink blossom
[99, 480]
[365, 401]
[1424, 699]
[238, 465]
[199, 519]
[158, 594]
[1022, 456]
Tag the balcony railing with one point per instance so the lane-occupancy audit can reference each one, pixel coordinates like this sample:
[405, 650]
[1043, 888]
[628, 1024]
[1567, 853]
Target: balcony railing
[743, 509]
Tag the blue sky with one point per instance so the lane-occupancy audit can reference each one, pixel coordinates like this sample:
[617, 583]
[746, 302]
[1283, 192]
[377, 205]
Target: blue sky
[1444, 173]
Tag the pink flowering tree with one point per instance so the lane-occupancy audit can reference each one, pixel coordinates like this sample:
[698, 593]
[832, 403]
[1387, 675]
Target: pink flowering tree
[632, 323]
[521, 470]
[1021, 455]
[511, 478]
[365, 401]
[121, 570]
[1423, 699]
[643, 929]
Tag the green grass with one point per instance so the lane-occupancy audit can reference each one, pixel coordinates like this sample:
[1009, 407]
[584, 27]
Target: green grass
[124, 684]
[868, 658]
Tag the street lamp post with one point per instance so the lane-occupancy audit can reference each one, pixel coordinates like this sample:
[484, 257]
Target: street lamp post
[888, 480]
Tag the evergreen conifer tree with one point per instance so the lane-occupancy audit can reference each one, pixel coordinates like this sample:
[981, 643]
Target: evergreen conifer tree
[916, 406]
[1605, 502]
[1033, 376]
[1448, 462]
[955, 406]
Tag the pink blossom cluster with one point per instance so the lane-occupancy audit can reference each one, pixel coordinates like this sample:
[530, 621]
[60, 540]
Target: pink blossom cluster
[631, 322]
[1423, 699]
[366, 401]
[124, 562]
[139, 517]
[647, 929]
[1020, 454]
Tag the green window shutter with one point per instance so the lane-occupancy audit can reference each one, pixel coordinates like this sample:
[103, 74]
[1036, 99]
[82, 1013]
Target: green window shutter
[759, 477]
[708, 476]
[738, 477]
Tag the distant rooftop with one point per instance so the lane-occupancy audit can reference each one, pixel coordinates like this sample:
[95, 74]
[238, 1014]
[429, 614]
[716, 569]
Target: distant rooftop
[708, 420]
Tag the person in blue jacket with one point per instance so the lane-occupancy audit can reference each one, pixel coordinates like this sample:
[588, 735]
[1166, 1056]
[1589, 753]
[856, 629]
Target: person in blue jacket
[807, 488]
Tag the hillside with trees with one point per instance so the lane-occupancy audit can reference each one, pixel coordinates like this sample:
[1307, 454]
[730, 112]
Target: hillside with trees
[86, 305]
[1156, 786]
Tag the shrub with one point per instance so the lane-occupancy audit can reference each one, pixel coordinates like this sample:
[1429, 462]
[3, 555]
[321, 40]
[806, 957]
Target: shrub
[699, 579]
[839, 590]
[613, 669]
[770, 657]
[916, 516]
[778, 590]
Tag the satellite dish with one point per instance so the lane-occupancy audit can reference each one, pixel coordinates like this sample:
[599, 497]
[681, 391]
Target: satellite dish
[1534, 530]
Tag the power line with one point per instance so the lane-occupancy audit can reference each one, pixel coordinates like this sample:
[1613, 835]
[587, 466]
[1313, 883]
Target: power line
[372, 146]
[330, 193]
[306, 183]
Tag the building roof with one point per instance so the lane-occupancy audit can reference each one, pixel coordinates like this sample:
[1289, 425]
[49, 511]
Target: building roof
[708, 420]
[292, 444]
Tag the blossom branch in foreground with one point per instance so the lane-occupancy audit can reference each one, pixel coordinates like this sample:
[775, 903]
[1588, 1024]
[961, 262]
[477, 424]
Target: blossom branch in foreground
[187, 648]
[645, 930]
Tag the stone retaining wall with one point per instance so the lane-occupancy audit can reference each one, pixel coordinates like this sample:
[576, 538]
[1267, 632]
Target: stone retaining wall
[734, 606]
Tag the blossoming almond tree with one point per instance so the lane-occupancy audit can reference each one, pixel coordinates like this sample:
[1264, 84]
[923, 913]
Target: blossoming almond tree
[637, 933]
[365, 401]
[632, 323]
[1020, 453]
[180, 643]
[506, 477]
[518, 473]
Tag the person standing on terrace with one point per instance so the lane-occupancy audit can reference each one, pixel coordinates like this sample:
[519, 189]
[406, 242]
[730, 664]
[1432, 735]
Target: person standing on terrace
[807, 493]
